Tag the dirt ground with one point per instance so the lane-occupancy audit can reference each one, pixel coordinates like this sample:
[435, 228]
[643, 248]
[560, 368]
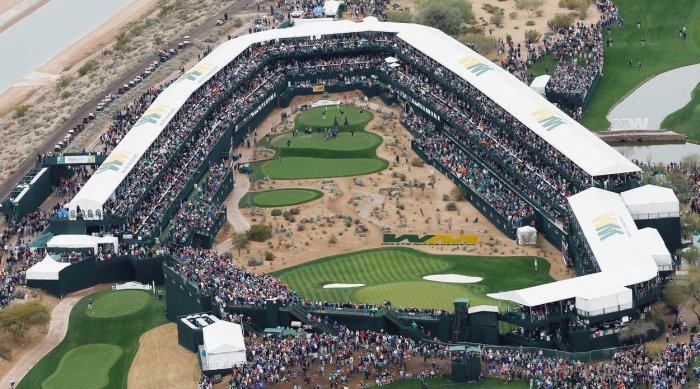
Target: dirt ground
[369, 198]
[162, 363]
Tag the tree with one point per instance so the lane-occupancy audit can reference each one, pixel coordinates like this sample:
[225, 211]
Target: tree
[259, 232]
[690, 161]
[240, 240]
[479, 42]
[531, 6]
[690, 222]
[445, 15]
[685, 294]
[19, 318]
[636, 330]
[676, 180]
[400, 17]
[533, 35]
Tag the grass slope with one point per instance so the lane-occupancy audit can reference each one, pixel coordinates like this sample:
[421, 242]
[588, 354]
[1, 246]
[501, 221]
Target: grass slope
[687, 119]
[279, 197]
[85, 366]
[663, 51]
[312, 156]
[396, 273]
[97, 334]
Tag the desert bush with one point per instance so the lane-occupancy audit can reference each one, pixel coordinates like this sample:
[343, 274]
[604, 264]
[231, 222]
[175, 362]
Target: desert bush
[259, 232]
[18, 318]
[560, 21]
[253, 261]
[451, 206]
[417, 162]
[301, 227]
[533, 35]
[445, 197]
[269, 256]
[446, 15]
[530, 23]
[237, 22]
[332, 239]
[87, 67]
[21, 111]
[276, 212]
[294, 211]
[19, 294]
[5, 352]
[497, 19]
[458, 194]
[484, 44]
[400, 17]
[513, 15]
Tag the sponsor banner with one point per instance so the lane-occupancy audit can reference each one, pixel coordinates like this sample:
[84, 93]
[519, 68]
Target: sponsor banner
[75, 159]
[607, 225]
[474, 65]
[429, 239]
[547, 119]
[319, 88]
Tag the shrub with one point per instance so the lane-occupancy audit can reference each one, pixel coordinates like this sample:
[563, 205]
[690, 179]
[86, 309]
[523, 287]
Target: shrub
[445, 197]
[19, 294]
[87, 67]
[400, 17]
[513, 15]
[253, 261]
[332, 239]
[446, 15]
[269, 256]
[484, 44]
[237, 22]
[417, 162]
[539, 13]
[22, 110]
[530, 23]
[533, 35]
[276, 212]
[18, 318]
[451, 206]
[560, 21]
[63, 82]
[294, 211]
[301, 227]
[497, 19]
[291, 218]
[458, 194]
[259, 232]
[5, 352]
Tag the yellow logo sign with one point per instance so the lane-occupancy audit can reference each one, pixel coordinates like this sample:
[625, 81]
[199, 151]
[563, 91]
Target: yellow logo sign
[547, 119]
[607, 225]
[114, 162]
[474, 65]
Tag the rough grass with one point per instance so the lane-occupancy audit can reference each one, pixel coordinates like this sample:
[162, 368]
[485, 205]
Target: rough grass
[687, 119]
[279, 197]
[395, 273]
[664, 50]
[120, 331]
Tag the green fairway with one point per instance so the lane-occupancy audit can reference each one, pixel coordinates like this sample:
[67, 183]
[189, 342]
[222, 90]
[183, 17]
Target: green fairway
[102, 348]
[85, 367]
[313, 117]
[119, 303]
[395, 274]
[279, 197]
[687, 119]
[301, 167]
[544, 65]
[664, 50]
[351, 153]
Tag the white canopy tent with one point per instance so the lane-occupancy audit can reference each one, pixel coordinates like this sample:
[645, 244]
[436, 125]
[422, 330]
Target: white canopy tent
[224, 346]
[539, 83]
[46, 269]
[574, 141]
[651, 202]
[69, 241]
[654, 243]
[331, 8]
[526, 235]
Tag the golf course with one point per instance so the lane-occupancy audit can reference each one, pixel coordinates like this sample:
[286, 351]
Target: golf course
[396, 274]
[309, 153]
[663, 50]
[101, 342]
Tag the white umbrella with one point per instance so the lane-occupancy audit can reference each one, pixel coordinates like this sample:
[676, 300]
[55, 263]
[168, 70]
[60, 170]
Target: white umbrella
[393, 65]
[390, 60]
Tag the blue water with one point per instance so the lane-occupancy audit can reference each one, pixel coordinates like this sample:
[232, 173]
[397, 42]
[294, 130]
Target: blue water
[37, 38]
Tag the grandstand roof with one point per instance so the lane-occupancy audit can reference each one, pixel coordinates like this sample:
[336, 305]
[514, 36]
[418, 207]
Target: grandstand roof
[594, 156]
[651, 202]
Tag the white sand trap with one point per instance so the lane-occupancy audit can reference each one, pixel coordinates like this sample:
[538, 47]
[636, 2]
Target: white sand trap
[452, 278]
[336, 286]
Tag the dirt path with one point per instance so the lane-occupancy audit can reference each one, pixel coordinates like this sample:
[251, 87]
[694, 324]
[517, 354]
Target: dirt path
[57, 331]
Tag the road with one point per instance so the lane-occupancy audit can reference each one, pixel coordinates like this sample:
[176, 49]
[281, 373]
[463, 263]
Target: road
[77, 117]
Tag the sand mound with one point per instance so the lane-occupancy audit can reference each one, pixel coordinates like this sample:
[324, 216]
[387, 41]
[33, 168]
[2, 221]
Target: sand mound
[336, 286]
[452, 278]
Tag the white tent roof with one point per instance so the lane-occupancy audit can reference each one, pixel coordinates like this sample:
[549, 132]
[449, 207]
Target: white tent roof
[565, 134]
[539, 83]
[46, 269]
[80, 241]
[223, 337]
[651, 201]
[655, 246]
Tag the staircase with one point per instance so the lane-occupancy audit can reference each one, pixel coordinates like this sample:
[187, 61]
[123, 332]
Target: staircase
[302, 314]
[250, 327]
[404, 327]
[459, 329]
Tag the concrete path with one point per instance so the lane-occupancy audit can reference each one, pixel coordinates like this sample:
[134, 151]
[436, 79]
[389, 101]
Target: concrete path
[57, 331]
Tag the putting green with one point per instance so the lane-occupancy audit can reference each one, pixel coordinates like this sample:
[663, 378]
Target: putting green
[344, 141]
[396, 274]
[119, 303]
[313, 117]
[279, 197]
[301, 168]
[85, 367]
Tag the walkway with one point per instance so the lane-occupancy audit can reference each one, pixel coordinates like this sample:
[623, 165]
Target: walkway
[647, 106]
[57, 331]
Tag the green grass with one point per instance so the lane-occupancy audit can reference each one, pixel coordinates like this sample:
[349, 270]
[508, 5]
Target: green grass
[687, 119]
[545, 63]
[87, 365]
[444, 381]
[279, 197]
[90, 338]
[118, 304]
[312, 156]
[395, 273]
[663, 51]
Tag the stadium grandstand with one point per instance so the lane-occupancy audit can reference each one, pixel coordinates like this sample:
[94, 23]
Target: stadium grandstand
[521, 160]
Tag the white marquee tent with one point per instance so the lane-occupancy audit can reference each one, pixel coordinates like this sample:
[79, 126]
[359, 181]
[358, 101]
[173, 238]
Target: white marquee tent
[651, 202]
[224, 346]
[539, 83]
[46, 269]
[70, 241]
[574, 141]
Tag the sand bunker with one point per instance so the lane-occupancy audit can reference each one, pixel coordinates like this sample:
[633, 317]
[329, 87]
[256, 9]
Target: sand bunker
[336, 286]
[452, 278]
